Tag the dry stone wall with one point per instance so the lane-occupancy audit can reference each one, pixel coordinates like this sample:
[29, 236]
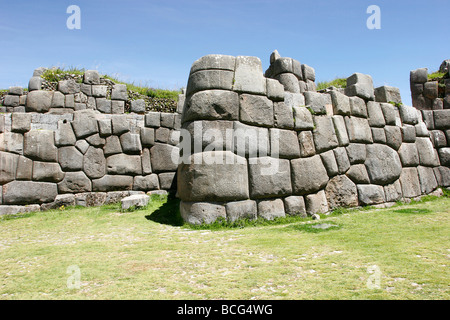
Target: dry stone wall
[257, 145]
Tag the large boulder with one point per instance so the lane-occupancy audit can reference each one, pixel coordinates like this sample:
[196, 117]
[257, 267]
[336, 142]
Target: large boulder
[29, 192]
[202, 212]
[341, 192]
[40, 145]
[39, 101]
[308, 175]
[383, 164]
[212, 105]
[269, 177]
[75, 182]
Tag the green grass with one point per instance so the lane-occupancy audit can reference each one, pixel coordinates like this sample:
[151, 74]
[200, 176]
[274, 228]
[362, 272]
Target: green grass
[338, 83]
[150, 254]
[436, 75]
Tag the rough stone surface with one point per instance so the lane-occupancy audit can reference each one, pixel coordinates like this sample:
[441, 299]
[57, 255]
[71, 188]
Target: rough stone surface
[316, 203]
[358, 107]
[341, 192]
[11, 142]
[408, 155]
[393, 136]
[369, 194]
[39, 101]
[358, 174]
[427, 154]
[308, 175]
[47, 171]
[269, 177]
[383, 164]
[124, 164]
[303, 119]
[286, 142]
[202, 212]
[283, 115]
[131, 143]
[356, 153]
[94, 163]
[8, 166]
[112, 183]
[375, 114]
[360, 85]
[246, 209]
[210, 79]
[164, 157]
[40, 145]
[341, 130]
[29, 192]
[209, 105]
[75, 182]
[358, 130]
[168, 180]
[271, 209]
[427, 179]
[388, 94]
[341, 103]
[306, 142]
[393, 192]
[135, 200]
[410, 183]
[256, 110]
[248, 75]
[295, 206]
[324, 134]
[329, 161]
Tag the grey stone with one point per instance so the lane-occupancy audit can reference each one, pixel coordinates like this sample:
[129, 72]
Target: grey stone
[58, 100]
[341, 103]
[79, 106]
[427, 155]
[329, 161]
[39, 101]
[388, 94]
[70, 158]
[103, 105]
[94, 163]
[293, 100]
[217, 175]
[212, 105]
[358, 130]
[167, 180]
[410, 183]
[11, 101]
[20, 122]
[289, 82]
[201, 212]
[388, 113]
[164, 157]
[119, 92]
[104, 127]
[120, 124]
[29, 192]
[69, 86]
[308, 72]
[61, 200]
[393, 136]
[316, 203]
[360, 85]
[286, 142]
[427, 179]
[181, 102]
[444, 156]
[115, 196]
[91, 77]
[393, 192]
[75, 182]
[256, 110]
[274, 56]
[356, 153]
[24, 169]
[303, 119]
[23, 100]
[375, 114]
[419, 75]
[269, 177]
[162, 135]
[167, 120]
[112, 183]
[308, 175]
[135, 200]
[84, 124]
[295, 206]
[82, 145]
[117, 107]
[146, 183]
[249, 141]
[138, 106]
[99, 91]
[11, 142]
[430, 89]
[47, 171]
[147, 136]
[246, 209]
[146, 163]
[283, 115]
[9, 210]
[69, 101]
[421, 130]
[342, 160]
[8, 166]
[341, 130]
[124, 164]
[408, 155]
[271, 209]
[214, 61]
[441, 119]
[275, 90]
[40, 145]
[210, 79]
[131, 143]
[383, 164]
[369, 194]
[442, 175]
[306, 143]
[95, 140]
[317, 102]
[35, 83]
[438, 138]
[112, 146]
[248, 75]
[358, 107]
[213, 135]
[153, 119]
[282, 65]
[358, 174]
[86, 89]
[408, 114]
[438, 103]
[324, 134]
[341, 192]
[378, 135]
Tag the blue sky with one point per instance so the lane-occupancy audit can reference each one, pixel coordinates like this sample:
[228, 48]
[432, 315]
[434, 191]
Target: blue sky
[155, 42]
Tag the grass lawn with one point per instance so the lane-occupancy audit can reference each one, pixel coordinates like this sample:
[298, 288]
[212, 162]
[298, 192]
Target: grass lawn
[396, 253]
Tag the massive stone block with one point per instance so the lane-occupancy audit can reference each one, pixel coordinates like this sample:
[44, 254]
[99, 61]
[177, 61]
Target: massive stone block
[214, 61]
[393, 136]
[286, 142]
[375, 114]
[303, 119]
[40, 145]
[11, 142]
[94, 163]
[308, 175]
[295, 205]
[131, 143]
[316, 203]
[39, 101]
[213, 176]
[70, 158]
[388, 113]
[271, 209]
[427, 154]
[341, 192]
[341, 103]
[383, 164]
[64, 135]
[75, 182]
[358, 107]
[248, 75]
[283, 115]
[419, 75]
[47, 171]
[8, 166]
[124, 164]
[410, 183]
[358, 130]
[209, 79]
[306, 142]
[358, 174]
[269, 177]
[388, 94]
[20, 122]
[256, 110]
[84, 123]
[202, 212]
[324, 134]
[408, 114]
[317, 102]
[441, 118]
[408, 155]
[112, 183]
[29, 192]
[24, 169]
[341, 130]
[164, 157]
[246, 209]
[360, 85]
[212, 105]
[369, 194]
[146, 183]
[289, 82]
[427, 179]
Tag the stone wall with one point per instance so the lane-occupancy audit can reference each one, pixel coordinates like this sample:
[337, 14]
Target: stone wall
[268, 145]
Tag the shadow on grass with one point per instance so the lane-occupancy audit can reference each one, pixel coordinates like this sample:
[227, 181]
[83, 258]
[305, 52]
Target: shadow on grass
[168, 213]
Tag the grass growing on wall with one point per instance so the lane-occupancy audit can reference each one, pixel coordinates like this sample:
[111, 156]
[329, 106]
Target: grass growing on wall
[338, 83]
[149, 254]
